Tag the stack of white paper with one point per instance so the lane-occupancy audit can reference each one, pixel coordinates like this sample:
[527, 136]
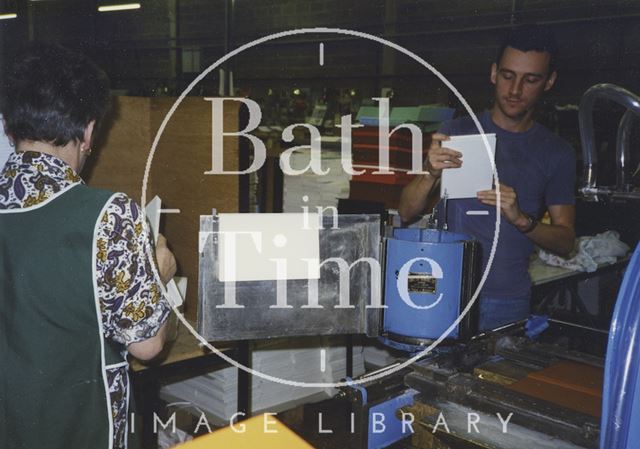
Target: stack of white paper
[378, 356]
[320, 190]
[216, 393]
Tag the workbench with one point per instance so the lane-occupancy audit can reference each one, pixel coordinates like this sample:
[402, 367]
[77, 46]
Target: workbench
[549, 281]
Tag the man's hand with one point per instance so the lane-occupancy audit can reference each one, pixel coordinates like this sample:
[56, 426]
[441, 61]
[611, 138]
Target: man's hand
[508, 205]
[440, 157]
[167, 265]
[416, 195]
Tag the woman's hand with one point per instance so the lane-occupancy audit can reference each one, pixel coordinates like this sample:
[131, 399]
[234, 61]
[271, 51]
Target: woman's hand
[167, 265]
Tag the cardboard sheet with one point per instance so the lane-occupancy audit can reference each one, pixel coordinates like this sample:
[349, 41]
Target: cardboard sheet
[476, 172]
[263, 239]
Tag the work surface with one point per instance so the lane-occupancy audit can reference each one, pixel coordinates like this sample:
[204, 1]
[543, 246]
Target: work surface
[184, 347]
[541, 273]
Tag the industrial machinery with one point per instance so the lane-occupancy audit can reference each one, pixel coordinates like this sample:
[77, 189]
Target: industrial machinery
[603, 207]
[621, 395]
[538, 383]
[623, 187]
[429, 283]
[422, 266]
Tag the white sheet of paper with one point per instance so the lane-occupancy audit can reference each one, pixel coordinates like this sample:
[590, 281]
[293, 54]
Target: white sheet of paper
[475, 174]
[175, 292]
[260, 238]
[5, 148]
[153, 216]
[181, 283]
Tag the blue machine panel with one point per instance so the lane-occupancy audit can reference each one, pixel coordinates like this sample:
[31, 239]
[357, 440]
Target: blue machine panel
[426, 282]
[619, 428]
[384, 426]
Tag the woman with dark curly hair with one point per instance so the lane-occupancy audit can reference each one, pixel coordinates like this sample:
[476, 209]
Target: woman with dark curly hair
[79, 284]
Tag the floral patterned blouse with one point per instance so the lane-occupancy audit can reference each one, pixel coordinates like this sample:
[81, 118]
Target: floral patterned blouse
[131, 295]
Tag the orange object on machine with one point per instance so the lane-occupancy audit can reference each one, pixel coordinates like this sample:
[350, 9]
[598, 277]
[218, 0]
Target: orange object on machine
[576, 386]
[263, 431]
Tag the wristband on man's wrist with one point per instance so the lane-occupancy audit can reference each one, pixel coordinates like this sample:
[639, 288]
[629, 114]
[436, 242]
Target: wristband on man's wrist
[533, 222]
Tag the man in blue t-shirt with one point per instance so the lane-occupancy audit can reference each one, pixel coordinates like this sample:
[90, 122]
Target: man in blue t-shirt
[536, 170]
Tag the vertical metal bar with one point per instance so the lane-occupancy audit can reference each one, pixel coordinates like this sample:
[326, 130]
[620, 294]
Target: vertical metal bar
[244, 379]
[147, 390]
[349, 343]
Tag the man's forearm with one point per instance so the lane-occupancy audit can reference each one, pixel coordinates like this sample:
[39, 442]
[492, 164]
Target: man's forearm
[558, 239]
[414, 197]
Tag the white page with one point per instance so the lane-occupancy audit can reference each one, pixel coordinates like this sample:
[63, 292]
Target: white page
[181, 283]
[177, 290]
[175, 293]
[476, 172]
[153, 216]
[292, 237]
[5, 148]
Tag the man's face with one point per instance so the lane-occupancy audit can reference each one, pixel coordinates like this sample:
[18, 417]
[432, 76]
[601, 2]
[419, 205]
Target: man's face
[520, 78]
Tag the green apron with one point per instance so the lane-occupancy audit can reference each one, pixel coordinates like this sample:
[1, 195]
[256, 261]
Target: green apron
[53, 391]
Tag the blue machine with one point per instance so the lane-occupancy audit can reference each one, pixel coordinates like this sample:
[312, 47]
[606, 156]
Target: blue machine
[384, 414]
[619, 428]
[376, 408]
[430, 276]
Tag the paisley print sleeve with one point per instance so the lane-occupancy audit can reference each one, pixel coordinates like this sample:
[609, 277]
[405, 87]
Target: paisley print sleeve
[132, 297]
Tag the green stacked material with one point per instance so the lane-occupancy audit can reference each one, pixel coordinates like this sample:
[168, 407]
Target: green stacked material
[434, 113]
[368, 115]
[427, 117]
[404, 114]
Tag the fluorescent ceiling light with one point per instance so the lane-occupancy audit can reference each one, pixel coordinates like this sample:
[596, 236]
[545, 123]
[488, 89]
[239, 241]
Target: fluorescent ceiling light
[8, 16]
[122, 7]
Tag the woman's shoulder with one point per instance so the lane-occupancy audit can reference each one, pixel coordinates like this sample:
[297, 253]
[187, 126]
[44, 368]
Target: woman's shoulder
[113, 203]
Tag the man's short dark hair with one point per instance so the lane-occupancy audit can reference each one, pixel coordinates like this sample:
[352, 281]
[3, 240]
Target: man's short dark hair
[531, 37]
[51, 94]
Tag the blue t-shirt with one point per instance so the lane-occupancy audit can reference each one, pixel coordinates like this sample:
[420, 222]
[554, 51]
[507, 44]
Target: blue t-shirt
[540, 166]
